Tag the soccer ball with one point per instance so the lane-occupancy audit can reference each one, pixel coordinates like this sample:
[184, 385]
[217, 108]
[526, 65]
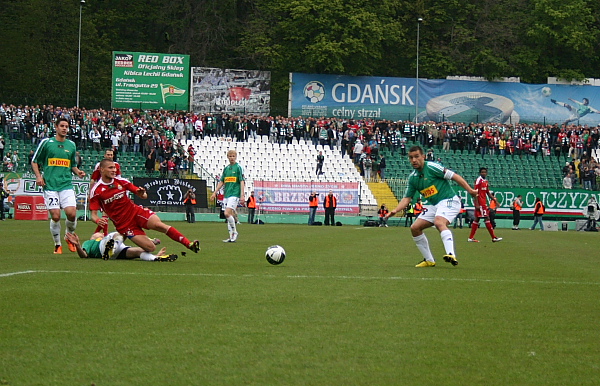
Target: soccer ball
[314, 91]
[546, 91]
[275, 254]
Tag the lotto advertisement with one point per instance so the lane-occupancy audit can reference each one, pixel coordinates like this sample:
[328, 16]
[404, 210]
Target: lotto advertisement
[376, 98]
[150, 81]
[292, 197]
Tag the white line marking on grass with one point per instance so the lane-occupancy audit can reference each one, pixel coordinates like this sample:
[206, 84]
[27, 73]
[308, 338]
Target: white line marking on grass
[340, 277]
[16, 273]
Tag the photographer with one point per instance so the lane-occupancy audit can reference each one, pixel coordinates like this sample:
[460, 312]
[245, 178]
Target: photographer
[189, 200]
[382, 212]
[3, 206]
[313, 204]
[592, 213]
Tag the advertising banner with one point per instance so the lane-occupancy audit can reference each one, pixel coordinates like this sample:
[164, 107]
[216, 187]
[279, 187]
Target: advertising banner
[150, 81]
[557, 202]
[370, 97]
[222, 90]
[292, 197]
[170, 192]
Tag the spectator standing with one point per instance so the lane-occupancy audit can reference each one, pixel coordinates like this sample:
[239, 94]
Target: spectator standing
[568, 181]
[358, 149]
[320, 161]
[330, 203]
[538, 213]
[368, 167]
[382, 166]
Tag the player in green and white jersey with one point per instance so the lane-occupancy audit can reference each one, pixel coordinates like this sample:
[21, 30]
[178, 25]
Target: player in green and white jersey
[233, 181]
[112, 247]
[53, 164]
[432, 181]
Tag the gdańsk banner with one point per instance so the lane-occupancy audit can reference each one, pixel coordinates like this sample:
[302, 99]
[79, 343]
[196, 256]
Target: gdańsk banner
[441, 100]
[150, 81]
[292, 197]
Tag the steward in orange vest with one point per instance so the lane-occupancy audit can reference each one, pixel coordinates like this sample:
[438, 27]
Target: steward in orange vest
[313, 204]
[251, 204]
[330, 203]
[418, 208]
[538, 213]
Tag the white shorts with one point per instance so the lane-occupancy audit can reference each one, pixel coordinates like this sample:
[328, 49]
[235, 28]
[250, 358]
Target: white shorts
[60, 200]
[118, 247]
[448, 209]
[231, 202]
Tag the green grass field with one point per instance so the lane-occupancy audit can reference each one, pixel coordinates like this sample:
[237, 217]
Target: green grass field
[347, 307]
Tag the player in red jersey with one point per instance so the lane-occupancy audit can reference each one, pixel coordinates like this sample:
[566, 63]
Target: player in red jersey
[483, 192]
[108, 154]
[110, 195]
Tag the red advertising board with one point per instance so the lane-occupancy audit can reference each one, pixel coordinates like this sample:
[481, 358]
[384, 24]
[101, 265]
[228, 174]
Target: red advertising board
[30, 208]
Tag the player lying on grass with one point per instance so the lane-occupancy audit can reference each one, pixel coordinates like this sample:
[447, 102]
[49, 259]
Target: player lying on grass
[112, 247]
[109, 194]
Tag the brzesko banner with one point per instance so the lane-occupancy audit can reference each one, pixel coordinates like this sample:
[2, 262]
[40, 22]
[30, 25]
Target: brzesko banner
[292, 197]
[150, 81]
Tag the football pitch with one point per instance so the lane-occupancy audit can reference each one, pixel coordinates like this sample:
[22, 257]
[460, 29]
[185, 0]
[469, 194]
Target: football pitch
[347, 307]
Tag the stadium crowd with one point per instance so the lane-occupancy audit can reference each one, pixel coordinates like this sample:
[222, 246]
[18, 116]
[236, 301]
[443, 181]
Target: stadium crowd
[159, 134]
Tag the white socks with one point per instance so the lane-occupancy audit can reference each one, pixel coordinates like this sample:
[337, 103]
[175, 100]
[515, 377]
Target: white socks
[55, 231]
[423, 245]
[448, 241]
[147, 256]
[231, 225]
[71, 225]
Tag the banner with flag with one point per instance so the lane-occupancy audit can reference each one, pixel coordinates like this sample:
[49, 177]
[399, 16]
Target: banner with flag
[150, 81]
[168, 90]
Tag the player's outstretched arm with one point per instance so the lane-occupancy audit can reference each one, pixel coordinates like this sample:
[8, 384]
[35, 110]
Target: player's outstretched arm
[141, 193]
[219, 186]
[401, 206]
[73, 238]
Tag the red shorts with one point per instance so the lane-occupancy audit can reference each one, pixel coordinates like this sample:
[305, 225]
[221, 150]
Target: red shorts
[138, 221]
[483, 211]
